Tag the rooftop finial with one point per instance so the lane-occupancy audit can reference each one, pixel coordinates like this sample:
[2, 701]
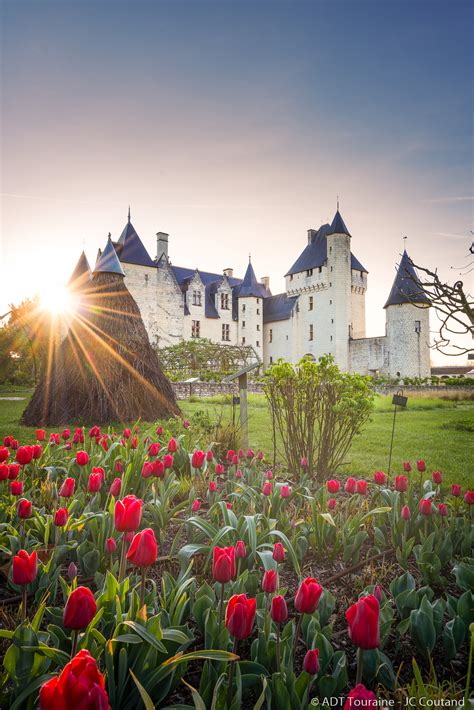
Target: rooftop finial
[129, 214]
[109, 235]
[404, 243]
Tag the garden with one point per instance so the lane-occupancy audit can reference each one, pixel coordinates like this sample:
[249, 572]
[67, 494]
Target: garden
[151, 565]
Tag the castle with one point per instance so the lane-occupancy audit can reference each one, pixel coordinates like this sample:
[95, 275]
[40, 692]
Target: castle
[321, 311]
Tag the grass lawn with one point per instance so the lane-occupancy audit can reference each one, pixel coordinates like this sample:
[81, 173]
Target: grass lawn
[438, 430]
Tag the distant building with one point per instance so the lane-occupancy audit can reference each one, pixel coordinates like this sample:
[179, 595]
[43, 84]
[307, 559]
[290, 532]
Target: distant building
[321, 311]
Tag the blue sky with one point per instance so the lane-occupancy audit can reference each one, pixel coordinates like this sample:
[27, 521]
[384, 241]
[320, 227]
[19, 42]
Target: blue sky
[233, 126]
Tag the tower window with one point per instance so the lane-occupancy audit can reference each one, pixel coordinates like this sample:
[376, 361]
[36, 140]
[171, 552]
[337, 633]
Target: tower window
[243, 324]
[311, 332]
[270, 336]
[332, 320]
[310, 303]
[331, 338]
[196, 329]
[271, 359]
[331, 268]
[243, 308]
[320, 268]
[146, 279]
[291, 277]
[309, 272]
[196, 298]
[225, 332]
[330, 302]
[243, 341]
[225, 301]
[258, 326]
[258, 311]
[258, 301]
[418, 326]
[257, 343]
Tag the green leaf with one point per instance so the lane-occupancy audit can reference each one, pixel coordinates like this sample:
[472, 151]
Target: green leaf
[147, 701]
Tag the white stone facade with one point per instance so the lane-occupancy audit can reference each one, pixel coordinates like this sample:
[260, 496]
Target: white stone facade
[322, 310]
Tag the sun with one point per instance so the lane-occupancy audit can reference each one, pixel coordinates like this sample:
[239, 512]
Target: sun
[55, 298]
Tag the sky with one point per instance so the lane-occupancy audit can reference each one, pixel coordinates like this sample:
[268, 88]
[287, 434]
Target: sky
[234, 126]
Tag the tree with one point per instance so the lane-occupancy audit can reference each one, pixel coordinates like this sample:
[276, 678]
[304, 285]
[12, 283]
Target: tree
[24, 342]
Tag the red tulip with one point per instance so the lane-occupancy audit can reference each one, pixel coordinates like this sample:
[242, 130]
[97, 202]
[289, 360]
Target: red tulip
[7, 441]
[168, 461]
[159, 430]
[110, 545]
[304, 462]
[172, 446]
[333, 486]
[363, 620]
[223, 568]
[16, 488]
[196, 505]
[80, 609]
[95, 482]
[197, 459]
[13, 471]
[14, 444]
[437, 477]
[332, 502]
[127, 433]
[24, 455]
[209, 455]
[158, 468]
[212, 486]
[442, 509]
[269, 475]
[147, 469]
[80, 685]
[425, 507]
[40, 435]
[60, 517]
[407, 466]
[267, 488]
[250, 454]
[37, 451]
[54, 439]
[406, 515]
[350, 485]
[235, 460]
[240, 550]
[24, 568]
[380, 478]
[186, 423]
[361, 487]
[270, 581]
[456, 490]
[94, 432]
[279, 610]
[3, 471]
[240, 615]
[421, 465]
[24, 508]
[154, 449]
[66, 434]
[260, 455]
[82, 458]
[311, 662]
[285, 491]
[230, 455]
[115, 487]
[469, 497]
[238, 473]
[219, 469]
[128, 514]
[4, 453]
[144, 549]
[360, 697]
[401, 483]
[228, 506]
[307, 596]
[278, 552]
[118, 468]
[67, 489]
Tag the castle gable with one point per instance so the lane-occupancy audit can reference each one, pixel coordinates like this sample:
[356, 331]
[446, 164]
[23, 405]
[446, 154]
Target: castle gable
[279, 307]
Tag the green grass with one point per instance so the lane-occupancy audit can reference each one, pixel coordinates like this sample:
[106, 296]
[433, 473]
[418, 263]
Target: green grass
[438, 430]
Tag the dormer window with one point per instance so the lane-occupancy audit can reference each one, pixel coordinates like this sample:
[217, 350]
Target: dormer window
[309, 272]
[224, 301]
[196, 298]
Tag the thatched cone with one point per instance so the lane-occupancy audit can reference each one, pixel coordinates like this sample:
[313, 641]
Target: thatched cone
[105, 370]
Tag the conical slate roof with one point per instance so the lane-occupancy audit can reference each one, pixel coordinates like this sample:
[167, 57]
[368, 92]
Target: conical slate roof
[250, 285]
[108, 262]
[338, 226]
[406, 287]
[81, 274]
[130, 247]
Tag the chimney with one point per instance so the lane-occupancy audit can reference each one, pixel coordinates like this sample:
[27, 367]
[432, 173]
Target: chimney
[229, 273]
[161, 245]
[311, 235]
[265, 281]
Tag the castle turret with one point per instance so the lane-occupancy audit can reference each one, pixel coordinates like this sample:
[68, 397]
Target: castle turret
[250, 314]
[339, 284]
[407, 324]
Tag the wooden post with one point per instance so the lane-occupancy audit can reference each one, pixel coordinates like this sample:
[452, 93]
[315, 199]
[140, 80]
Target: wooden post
[244, 421]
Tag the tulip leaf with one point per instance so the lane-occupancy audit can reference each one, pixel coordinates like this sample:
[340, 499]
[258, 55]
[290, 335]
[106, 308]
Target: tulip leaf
[199, 703]
[376, 511]
[147, 701]
[145, 635]
[327, 517]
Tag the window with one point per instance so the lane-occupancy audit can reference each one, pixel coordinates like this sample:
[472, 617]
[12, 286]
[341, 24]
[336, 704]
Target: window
[196, 298]
[270, 336]
[271, 359]
[310, 308]
[418, 326]
[146, 279]
[243, 308]
[309, 272]
[330, 302]
[226, 332]
[258, 326]
[257, 343]
[243, 341]
[331, 338]
[311, 332]
[320, 269]
[291, 277]
[330, 284]
[258, 311]
[331, 268]
[225, 301]
[243, 324]
[196, 329]
[258, 301]
[332, 320]
[330, 250]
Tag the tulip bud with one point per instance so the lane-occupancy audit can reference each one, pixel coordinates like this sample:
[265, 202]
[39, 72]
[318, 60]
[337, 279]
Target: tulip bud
[401, 483]
[228, 506]
[159, 430]
[307, 596]
[40, 435]
[115, 487]
[407, 466]
[172, 446]
[425, 507]
[270, 581]
[456, 490]
[285, 491]
[333, 486]
[361, 487]
[311, 662]
[196, 505]
[223, 568]
[421, 465]
[279, 610]
[442, 509]
[82, 458]
[350, 485]
[24, 509]
[278, 552]
[80, 609]
[72, 571]
[212, 486]
[209, 456]
[61, 517]
[240, 550]
[24, 568]
[469, 497]
[380, 478]
[304, 462]
[144, 549]
[110, 545]
[267, 488]
[16, 488]
[332, 502]
[219, 469]
[406, 513]
[238, 473]
[437, 478]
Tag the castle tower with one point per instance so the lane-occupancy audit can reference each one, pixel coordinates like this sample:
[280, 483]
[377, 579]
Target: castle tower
[408, 324]
[250, 312]
[339, 285]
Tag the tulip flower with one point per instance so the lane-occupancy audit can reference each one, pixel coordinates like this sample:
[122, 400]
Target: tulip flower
[212, 486]
[333, 486]
[260, 455]
[79, 685]
[401, 484]
[16, 488]
[66, 434]
[36, 451]
[360, 697]
[279, 609]
[82, 458]
[67, 488]
[267, 488]
[72, 571]
[94, 432]
[425, 507]
[270, 581]
[14, 444]
[421, 466]
[4, 454]
[24, 571]
[172, 446]
[238, 473]
[219, 469]
[311, 662]
[168, 461]
[307, 596]
[240, 615]
[269, 475]
[230, 455]
[118, 467]
[456, 490]
[406, 515]
[235, 460]
[350, 485]
[380, 478]
[147, 469]
[54, 439]
[128, 514]
[240, 550]
[95, 483]
[110, 545]
[407, 466]
[13, 471]
[363, 620]
[361, 487]
[24, 455]
[278, 552]
[24, 509]
[143, 553]
[80, 609]
[304, 462]
[285, 491]
[223, 570]
[159, 430]
[469, 497]
[40, 435]
[442, 509]
[61, 517]
[250, 453]
[186, 423]
[437, 477]
[196, 505]
[7, 441]
[209, 456]
[3, 471]
[332, 502]
[198, 459]
[154, 449]
[115, 487]
[228, 506]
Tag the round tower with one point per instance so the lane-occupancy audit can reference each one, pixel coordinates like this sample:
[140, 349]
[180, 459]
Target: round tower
[407, 325]
[339, 284]
[250, 312]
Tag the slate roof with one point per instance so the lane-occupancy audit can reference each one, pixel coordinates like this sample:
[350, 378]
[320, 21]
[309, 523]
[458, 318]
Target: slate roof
[81, 273]
[406, 288]
[315, 254]
[338, 226]
[130, 248]
[251, 287]
[108, 262]
[278, 307]
[183, 274]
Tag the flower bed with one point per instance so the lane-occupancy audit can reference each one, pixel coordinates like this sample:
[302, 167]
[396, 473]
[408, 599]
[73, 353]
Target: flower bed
[152, 568]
